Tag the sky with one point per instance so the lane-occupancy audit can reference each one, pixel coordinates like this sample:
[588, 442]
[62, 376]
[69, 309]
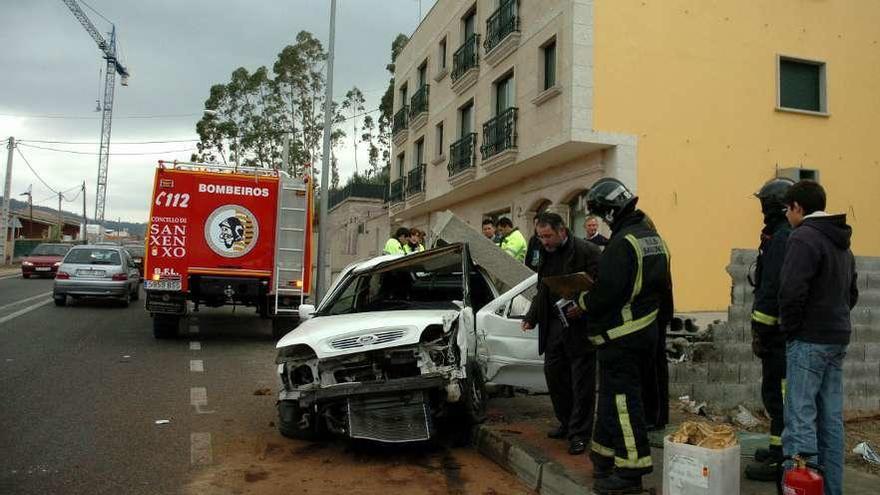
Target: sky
[175, 51]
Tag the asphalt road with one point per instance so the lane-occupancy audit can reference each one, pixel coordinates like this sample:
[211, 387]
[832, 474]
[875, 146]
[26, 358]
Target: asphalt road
[82, 386]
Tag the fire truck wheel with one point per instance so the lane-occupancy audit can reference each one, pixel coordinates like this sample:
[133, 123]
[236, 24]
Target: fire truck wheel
[165, 327]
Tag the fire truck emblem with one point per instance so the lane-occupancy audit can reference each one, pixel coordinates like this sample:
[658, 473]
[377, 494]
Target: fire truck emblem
[232, 231]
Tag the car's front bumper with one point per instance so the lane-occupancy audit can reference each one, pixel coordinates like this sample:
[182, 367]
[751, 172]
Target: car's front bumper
[39, 271]
[97, 288]
[346, 390]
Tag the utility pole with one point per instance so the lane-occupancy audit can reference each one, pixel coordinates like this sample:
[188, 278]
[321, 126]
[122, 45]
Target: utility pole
[30, 194]
[323, 241]
[60, 219]
[85, 220]
[7, 190]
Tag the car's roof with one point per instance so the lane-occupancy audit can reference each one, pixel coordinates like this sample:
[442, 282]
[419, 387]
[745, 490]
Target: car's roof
[98, 246]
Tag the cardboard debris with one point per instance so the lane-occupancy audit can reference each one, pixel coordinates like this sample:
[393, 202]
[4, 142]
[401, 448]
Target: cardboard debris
[705, 435]
[569, 286]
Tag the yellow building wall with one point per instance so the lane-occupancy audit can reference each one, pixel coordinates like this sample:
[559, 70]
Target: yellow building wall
[696, 82]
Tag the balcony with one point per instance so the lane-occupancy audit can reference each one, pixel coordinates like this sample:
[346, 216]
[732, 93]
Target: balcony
[502, 32]
[466, 64]
[395, 191]
[499, 140]
[357, 190]
[400, 126]
[415, 184]
[463, 159]
[418, 108]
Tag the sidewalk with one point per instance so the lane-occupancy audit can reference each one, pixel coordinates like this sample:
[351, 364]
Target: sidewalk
[7, 270]
[514, 436]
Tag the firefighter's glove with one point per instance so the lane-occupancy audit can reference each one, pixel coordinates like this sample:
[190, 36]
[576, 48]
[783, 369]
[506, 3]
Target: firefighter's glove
[761, 335]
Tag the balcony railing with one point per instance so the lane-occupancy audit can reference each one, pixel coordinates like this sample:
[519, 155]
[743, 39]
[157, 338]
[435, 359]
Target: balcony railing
[419, 102]
[415, 180]
[502, 22]
[400, 120]
[499, 133]
[463, 154]
[466, 57]
[357, 190]
[395, 192]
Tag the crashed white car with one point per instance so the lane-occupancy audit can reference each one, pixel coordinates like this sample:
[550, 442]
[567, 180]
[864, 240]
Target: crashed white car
[402, 345]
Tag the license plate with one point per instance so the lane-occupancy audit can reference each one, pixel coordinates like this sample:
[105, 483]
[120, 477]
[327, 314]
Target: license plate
[43, 268]
[90, 273]
[162, 285]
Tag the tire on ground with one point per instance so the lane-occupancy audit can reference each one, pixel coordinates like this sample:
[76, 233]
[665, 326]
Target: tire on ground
[165, 326]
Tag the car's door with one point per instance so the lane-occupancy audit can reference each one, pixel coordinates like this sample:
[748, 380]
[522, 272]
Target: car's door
[511, 355]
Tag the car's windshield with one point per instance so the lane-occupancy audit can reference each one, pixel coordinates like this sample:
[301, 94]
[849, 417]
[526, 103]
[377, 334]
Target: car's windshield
[93, 257]
[428, 282]
[50, 250]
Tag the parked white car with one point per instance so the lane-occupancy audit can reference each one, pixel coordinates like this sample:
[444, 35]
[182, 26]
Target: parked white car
[400, 345]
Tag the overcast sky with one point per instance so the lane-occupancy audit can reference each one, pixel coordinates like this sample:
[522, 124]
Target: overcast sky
[175, 50]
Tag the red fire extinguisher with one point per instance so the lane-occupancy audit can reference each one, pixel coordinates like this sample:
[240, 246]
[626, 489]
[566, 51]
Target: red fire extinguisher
[804, 479]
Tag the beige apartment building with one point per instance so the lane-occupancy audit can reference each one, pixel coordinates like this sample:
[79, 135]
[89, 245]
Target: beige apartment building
[510, 107]
[493, 115]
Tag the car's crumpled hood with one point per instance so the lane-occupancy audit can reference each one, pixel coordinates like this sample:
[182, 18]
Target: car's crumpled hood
[387, 328]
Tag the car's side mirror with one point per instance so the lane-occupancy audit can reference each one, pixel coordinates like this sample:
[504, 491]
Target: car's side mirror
[306, 311]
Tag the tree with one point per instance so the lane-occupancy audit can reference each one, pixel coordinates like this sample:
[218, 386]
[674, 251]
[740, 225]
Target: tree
[386, 105]
[354, 103]
[368, 137]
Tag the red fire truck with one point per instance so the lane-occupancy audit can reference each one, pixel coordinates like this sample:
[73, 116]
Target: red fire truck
[222, 236]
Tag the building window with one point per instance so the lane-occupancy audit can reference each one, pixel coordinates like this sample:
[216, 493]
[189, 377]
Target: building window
[423, 73]
[403, 95]
[441, 54]
[504, 98]
[801, 85]
[439, 138]
[465, 119]
[469, 23]
[548, 52]
[401, 164]
[419, 155]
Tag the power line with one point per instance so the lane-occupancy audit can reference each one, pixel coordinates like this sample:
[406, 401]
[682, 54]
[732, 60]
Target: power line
[34, 171]
[111, 154]
[164, 141]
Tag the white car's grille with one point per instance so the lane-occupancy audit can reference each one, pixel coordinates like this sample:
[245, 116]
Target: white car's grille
[367, 339]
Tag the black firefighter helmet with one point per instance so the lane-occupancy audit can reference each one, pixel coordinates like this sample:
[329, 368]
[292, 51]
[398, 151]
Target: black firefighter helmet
[772, 194]
[608, 198]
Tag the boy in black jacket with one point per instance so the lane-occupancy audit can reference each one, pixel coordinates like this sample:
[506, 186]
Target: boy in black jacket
[817, 291]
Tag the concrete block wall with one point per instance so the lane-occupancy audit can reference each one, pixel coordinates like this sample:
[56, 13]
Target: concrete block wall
[735, 378]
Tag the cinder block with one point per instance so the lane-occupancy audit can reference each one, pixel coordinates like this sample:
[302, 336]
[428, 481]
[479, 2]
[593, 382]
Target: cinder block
[867, 263]
[872, 352]
[860, 371]
[492, 445]
[855, 352]
[726, 333]
[750, 373]
[860, 403]
[692, 373]
[861, 315]
[738, 353]
[526, 465]
[865, 334]
[870, 298]
[723, 373]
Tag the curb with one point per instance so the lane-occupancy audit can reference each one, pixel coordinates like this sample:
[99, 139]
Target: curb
[531, 466]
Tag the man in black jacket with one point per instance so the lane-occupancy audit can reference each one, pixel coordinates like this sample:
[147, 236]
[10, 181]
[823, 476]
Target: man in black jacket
[768, 341]
[817, 291]
[569, 359]
[624, 312]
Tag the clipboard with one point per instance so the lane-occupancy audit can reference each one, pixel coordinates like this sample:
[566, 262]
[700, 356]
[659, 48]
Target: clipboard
[569, 286]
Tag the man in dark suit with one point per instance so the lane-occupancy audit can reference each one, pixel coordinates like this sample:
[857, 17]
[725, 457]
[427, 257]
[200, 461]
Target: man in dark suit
[569, 358]
[591, 226]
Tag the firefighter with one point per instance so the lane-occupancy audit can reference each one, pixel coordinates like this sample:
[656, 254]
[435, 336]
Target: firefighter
[397, 244]
[512, 242]
[768, 342]
[633, 294]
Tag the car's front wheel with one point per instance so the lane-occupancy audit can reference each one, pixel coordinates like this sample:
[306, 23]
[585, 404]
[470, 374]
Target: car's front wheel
[296, 422]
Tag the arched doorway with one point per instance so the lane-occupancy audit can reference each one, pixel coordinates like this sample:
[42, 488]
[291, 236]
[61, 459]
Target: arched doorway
[577, 212]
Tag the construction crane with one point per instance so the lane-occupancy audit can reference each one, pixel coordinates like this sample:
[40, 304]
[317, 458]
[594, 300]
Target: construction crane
[114, 66]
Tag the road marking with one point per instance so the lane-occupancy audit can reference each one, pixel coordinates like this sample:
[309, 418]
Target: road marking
[193, 328]
[200, 449]
[14, 275]
[23, 311]
[16, 303]
[195, 346]
[196, 365]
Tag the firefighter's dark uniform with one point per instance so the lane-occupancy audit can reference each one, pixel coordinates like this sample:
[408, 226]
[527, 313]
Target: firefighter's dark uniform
[765, 322]
[634, 292]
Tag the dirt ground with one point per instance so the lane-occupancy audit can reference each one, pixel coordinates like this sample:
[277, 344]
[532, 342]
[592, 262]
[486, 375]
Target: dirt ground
[269, 464]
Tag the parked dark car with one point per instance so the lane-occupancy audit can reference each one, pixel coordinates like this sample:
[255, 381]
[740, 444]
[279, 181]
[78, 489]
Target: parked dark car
[137, 256]
[43, 260]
